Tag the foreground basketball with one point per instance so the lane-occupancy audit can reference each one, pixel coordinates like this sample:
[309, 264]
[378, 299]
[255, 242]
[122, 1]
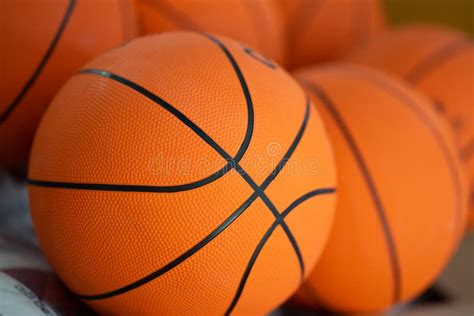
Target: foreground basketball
[43, 43]
[182, 174]
[256, 23]
[401, 197]
[322, 30]
[440, 63]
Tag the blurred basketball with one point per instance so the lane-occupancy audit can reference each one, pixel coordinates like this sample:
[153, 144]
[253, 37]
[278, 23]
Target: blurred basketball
[256, 23]
[170, 175]
[401, 196]
[440, 62]
[29, 287]
[44, 42]
[319, 31]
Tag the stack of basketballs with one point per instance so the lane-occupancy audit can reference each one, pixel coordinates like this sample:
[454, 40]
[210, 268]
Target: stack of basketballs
[241, 153]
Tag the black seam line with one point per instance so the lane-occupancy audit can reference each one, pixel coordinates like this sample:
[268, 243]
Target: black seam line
[179, 259]
[394, 261]
[151, 188]
[289, 234]
[266, 237]
[174, 188]
[207, 239]
[442, 55]
[259, 58]
[214, 145]
[168, 107]
[123, 187]
[184, 119]
[257, 193]
[291, 149]
[173, 14]
[246, 91]
[42, 63]
[271, 177]
[206, 138]
[429, 124]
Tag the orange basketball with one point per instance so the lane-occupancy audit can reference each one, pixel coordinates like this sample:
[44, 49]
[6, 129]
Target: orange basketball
[256, 23]
[322, 30]
[44, 42]
[440, 63]
[182, 174]
[401, 195]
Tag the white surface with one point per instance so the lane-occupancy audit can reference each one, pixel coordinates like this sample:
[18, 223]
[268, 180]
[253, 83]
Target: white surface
[16, 300]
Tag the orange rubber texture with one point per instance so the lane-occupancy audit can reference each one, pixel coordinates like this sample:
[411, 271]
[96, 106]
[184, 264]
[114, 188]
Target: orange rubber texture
[43, 44]
[255, 23]
[321, 30]
[150, 118]
[402, 200]
[440, 63]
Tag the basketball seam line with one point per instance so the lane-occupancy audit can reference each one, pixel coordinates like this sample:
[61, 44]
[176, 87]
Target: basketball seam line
[405, 99]
[427, 65]
[258, 191]
[262, 59]
[394, 261]
[216, 147]
[267, 236]
[42, 63]
[246, 91]
[173, 188]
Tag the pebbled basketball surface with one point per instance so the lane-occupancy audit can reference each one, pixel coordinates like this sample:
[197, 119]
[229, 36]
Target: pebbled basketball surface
[439, 62]
[198, 172]
[402, 199]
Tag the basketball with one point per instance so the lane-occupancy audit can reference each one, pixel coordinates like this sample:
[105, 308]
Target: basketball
[319, 31]
[256, 23]
[402, 199]
[169, 175]
[439, 61]
[44, 42]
